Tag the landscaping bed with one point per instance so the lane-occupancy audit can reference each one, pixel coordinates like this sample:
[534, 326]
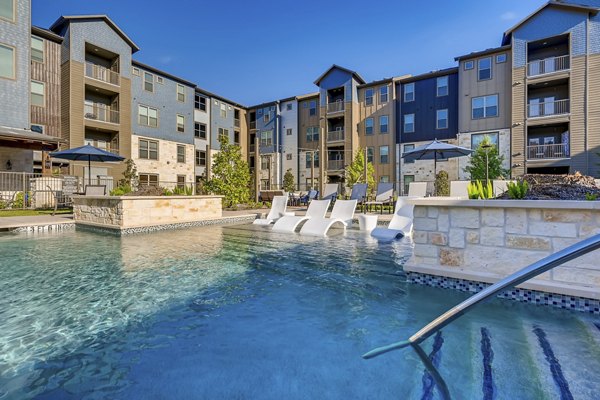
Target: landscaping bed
[560, 187]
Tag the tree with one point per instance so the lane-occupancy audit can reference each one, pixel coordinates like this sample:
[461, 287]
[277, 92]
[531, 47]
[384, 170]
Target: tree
[442, 184]
[130, 176]
[289, 184]
[230, 175]
[355, 172]
[477, 163]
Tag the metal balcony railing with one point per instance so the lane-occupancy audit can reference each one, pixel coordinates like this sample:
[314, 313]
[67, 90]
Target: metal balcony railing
[101, 73]
[252, 124]
[104, 145]
[236, 123]
[251, 148]
[546, 151]
[335, 165]
[547, 108]
[101, 112]
[337, 106]
[335, 136]
[548, 65]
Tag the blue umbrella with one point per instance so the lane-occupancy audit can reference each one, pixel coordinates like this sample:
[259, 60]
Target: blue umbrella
[435, 150]
[89, 153]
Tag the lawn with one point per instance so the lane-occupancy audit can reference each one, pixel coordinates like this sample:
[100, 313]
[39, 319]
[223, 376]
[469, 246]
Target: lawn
[32, 213]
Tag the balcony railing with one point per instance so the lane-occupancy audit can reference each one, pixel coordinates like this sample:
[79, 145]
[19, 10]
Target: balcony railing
[545, 151]
[251, 148]
[101, 112]
[335, 165]
[104, 145]
[236, 123]
[548, 65]
[335, 136]
[337, 106]
[547, 108]
[101, 73]
[252, 124]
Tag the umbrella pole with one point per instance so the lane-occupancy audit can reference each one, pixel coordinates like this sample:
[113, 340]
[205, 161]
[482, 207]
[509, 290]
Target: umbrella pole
[89, 170]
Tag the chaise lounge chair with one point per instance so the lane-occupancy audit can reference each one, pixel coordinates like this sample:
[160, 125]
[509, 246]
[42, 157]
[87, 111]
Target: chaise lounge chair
[342, 214]
[330, 192]
[310, 196]
[316, 209]
[359, 193]
[385, 195]
[417, 189]
[459, 189]
[400, 225]
[277, 211]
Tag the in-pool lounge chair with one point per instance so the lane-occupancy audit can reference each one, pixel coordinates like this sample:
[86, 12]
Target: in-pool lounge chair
[385, 195]
[277, 211]
[316, 209]
[400, 225]
[417, 189]
[459, 189]
[342, 215]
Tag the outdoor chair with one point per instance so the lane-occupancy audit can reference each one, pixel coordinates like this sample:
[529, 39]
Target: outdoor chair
[359, 193]
[342, 214]
[384, 196]
[417, 189]
[330, 192]
[459, 189]
[310, 196]
[95, 190]
[277, 211]
[400, 225]
[316, 209]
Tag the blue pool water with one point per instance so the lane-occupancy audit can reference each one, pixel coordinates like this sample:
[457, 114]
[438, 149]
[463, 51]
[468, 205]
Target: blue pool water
[239, 313]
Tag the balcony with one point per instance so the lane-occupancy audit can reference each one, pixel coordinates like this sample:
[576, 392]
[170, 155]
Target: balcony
[335, 136]
[538, 109]
[101, 73]
[253, 125]
[101, 112]
[548, 151]
[548, 65]
[335, 165]
[252, 148]
[335, 107]
[236, 123]
[112, 147]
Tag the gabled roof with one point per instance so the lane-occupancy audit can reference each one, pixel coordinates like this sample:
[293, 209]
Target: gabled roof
[46, 34]
[66, 19]
[483, 52]
[558, 4]
[354, 74]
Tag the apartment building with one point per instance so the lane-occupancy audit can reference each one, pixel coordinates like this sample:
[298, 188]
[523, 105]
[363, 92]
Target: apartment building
[201, 134]
[225, 120]
[427, 110]
[163, 127]
[289, 136]
[485, 102]
[265, 125]
[309, 134]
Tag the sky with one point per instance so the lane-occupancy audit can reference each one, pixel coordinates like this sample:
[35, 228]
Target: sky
[257, 51]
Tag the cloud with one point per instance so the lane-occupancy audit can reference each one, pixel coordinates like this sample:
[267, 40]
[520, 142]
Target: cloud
[166, 59]
[507, 16]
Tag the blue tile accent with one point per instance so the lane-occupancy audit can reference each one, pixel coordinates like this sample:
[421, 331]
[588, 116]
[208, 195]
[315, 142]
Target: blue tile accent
[434, 356]
[555, 368]
[488, 358]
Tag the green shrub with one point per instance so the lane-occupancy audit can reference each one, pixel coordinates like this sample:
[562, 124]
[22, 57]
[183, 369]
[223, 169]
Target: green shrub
[477, 190]
[442, 184]
[121, 190]
[591, 196]
[3, 204]
[20, 200]
[517, 190]
[182, 191]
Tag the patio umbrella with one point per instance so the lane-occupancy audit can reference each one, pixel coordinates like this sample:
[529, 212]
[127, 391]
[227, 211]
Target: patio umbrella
[435, 150]
[89, 153]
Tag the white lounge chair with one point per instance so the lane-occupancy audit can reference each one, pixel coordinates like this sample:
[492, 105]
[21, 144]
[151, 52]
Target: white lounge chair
[400, 225]
[330, 192]
[384, 196]
[277, 211]
[417, 189]
[500, 187]
[316, 209]
[459, 189]
[342, 214]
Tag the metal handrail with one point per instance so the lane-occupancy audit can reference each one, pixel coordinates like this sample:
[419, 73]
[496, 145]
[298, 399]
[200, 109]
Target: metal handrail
[553, 260]
[544, 109]
[548, 65]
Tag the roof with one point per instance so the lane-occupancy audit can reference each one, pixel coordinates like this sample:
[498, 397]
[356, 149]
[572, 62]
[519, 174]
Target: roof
[334, 66]
[46, 34]
[374, 83]
[261, 105]
[428, 75]
[66, 19]
[25, 138]
[216, 96]
[559, 4]
[307, 96]
[483, 52]
[163, 73]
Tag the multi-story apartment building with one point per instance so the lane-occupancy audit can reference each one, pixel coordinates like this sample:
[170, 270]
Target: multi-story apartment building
[289, 135]
[163, 127]
[427, 110]
[309, 134]
[484, 102]
[201, 134]
[265, 123]
[225, 120]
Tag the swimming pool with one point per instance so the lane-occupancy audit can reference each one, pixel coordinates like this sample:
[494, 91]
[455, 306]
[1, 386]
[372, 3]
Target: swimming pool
[234, 312]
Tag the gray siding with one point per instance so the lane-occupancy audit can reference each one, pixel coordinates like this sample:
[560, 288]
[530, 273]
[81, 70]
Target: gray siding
[216, 122]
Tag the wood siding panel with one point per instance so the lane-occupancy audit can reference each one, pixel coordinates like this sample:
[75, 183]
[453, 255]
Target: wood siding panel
[518, 139]
[577, 125]
[593, 110]
[48, 72]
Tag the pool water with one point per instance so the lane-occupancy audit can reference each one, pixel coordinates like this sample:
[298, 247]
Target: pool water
[237, 312]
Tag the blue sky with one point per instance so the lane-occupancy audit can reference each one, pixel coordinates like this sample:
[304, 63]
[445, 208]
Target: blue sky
[257, 51]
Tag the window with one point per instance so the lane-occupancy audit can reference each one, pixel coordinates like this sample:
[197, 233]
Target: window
[200, 130]
[223, 133]
[370, 154]
[181, 93]
[369, 126]
[148, 82]
[236, 137]
[201, 158]
[442, 119]
[408, 179]
[37, 49]
[309, 156]
[7, 10]
[312, 134]
[180, 154]
[383, 124]
[180, 123]
[135, 71]
[288, 106]
[484, 107]
[484, 69]
[266, 138]
[384, 154]
[147, 116]
[469, 65]
[148, 149]
[37, 128]
[384, 178]
[223, 111]
[288, 131]
[442, 86]
[148, 179]
[368, 97]
[501, 58]
[7, 62]
[478, 138]
[181, 181]
[37, 94]
[383, 94]
[409, 123]
[265, 163]
[266, 116]
[200, 103]
[288, 156]
[313, 108]
[409, 92]
[407, 148]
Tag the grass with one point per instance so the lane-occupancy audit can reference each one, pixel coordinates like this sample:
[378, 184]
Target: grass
[32, 213]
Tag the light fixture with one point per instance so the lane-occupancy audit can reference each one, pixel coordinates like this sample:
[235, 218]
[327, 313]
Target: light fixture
[8, 165]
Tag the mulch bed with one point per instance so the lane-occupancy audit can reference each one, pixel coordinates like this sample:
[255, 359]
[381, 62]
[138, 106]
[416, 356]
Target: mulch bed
[559, 187]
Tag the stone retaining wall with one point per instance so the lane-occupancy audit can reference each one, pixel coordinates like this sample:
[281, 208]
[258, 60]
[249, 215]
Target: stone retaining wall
[485, 241]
